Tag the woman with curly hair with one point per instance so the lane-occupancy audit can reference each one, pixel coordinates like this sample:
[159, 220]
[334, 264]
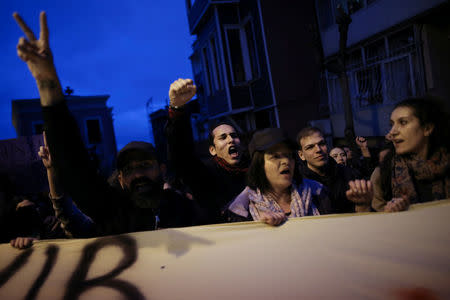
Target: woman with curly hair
[418, 169]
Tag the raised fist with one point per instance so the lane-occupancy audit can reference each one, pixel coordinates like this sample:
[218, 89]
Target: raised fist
[181, 91]
[361, 142]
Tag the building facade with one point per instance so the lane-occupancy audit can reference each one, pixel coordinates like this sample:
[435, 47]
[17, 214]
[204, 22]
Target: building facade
[255, 63]
[396, 49]
[94, 120]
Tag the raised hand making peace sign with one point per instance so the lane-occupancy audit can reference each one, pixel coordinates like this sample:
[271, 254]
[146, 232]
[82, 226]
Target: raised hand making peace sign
[38, 56]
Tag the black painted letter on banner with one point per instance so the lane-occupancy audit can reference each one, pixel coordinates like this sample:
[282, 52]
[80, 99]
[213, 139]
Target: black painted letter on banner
[52, 253]
[13, 267]
[78, 283]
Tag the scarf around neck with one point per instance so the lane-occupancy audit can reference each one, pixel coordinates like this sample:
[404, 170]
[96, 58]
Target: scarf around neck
[233, 169]
[253, 202]
[436, 170]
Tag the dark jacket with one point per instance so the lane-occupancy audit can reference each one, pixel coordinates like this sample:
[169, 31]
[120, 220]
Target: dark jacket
[110, 208]
[336, 180]
[212, 186]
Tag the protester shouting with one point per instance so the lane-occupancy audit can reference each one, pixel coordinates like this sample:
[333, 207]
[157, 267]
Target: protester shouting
[219, 180]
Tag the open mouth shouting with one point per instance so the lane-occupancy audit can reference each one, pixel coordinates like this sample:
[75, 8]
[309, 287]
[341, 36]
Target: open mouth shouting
[233, 152]
[286, 171]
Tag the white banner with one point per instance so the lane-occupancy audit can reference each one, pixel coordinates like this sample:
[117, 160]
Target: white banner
[355, 256]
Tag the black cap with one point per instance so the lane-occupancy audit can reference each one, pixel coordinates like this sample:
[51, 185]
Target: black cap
[266, 138]
[135, 151]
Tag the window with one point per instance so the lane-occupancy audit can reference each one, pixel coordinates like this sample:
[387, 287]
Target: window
[207, 71]
[242, 52]
[401, 41]
[370, 89]
[251, 46]
[389, 72]
[216, 69]
[375, 51]
[235, 50]
[398, 79]
[93, 131]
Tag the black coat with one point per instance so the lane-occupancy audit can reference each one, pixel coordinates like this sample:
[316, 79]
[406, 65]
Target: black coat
[212, 186]
[110, 208]
[336, 180]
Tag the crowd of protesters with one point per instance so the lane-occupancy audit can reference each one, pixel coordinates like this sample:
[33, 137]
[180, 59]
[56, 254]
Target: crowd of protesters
[273, 179]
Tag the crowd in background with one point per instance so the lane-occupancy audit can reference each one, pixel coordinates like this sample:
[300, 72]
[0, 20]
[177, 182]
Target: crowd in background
[271, 179]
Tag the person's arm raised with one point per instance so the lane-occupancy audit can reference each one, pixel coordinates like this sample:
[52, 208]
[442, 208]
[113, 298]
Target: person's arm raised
[181, 91]
[38, 56]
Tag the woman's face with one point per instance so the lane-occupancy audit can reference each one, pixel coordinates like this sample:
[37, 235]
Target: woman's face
[407, 134]
[339, 156]
[279, 164]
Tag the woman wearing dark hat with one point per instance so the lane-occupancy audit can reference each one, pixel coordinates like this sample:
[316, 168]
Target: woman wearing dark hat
[275, 190]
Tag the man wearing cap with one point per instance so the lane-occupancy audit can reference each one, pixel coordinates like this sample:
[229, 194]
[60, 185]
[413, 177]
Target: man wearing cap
[215, 182]
[346, 191]
[140, 203]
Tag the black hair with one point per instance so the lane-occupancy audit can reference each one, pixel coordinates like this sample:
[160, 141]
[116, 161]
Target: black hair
[214, 126]
[430, 111]
[305, 132]
[256, 175]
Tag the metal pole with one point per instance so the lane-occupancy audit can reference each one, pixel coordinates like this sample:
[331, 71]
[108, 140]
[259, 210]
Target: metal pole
[343, 20]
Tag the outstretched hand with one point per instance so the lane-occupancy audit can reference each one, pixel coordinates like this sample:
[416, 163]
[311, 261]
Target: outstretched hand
[36, 52]
[360, 192]
[44, 153]
[181, 91]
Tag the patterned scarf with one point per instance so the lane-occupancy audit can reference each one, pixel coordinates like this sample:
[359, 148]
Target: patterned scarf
[435, 170]
[235, 169]
[301, 205]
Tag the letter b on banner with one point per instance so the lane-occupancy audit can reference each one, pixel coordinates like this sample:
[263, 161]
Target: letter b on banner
[78, 283]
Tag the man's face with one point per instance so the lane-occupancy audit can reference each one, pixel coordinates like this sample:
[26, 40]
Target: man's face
[227, 144]
[138, 171]
[141, 180]
[314, 151]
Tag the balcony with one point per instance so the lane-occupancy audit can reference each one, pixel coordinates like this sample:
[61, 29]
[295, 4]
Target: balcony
[198, 9]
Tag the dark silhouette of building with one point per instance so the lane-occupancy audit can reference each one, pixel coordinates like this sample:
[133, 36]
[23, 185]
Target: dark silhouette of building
[256, 63]
[94, 120]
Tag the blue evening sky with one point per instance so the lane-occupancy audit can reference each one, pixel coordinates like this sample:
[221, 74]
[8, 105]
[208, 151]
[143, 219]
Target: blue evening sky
[131, 50]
